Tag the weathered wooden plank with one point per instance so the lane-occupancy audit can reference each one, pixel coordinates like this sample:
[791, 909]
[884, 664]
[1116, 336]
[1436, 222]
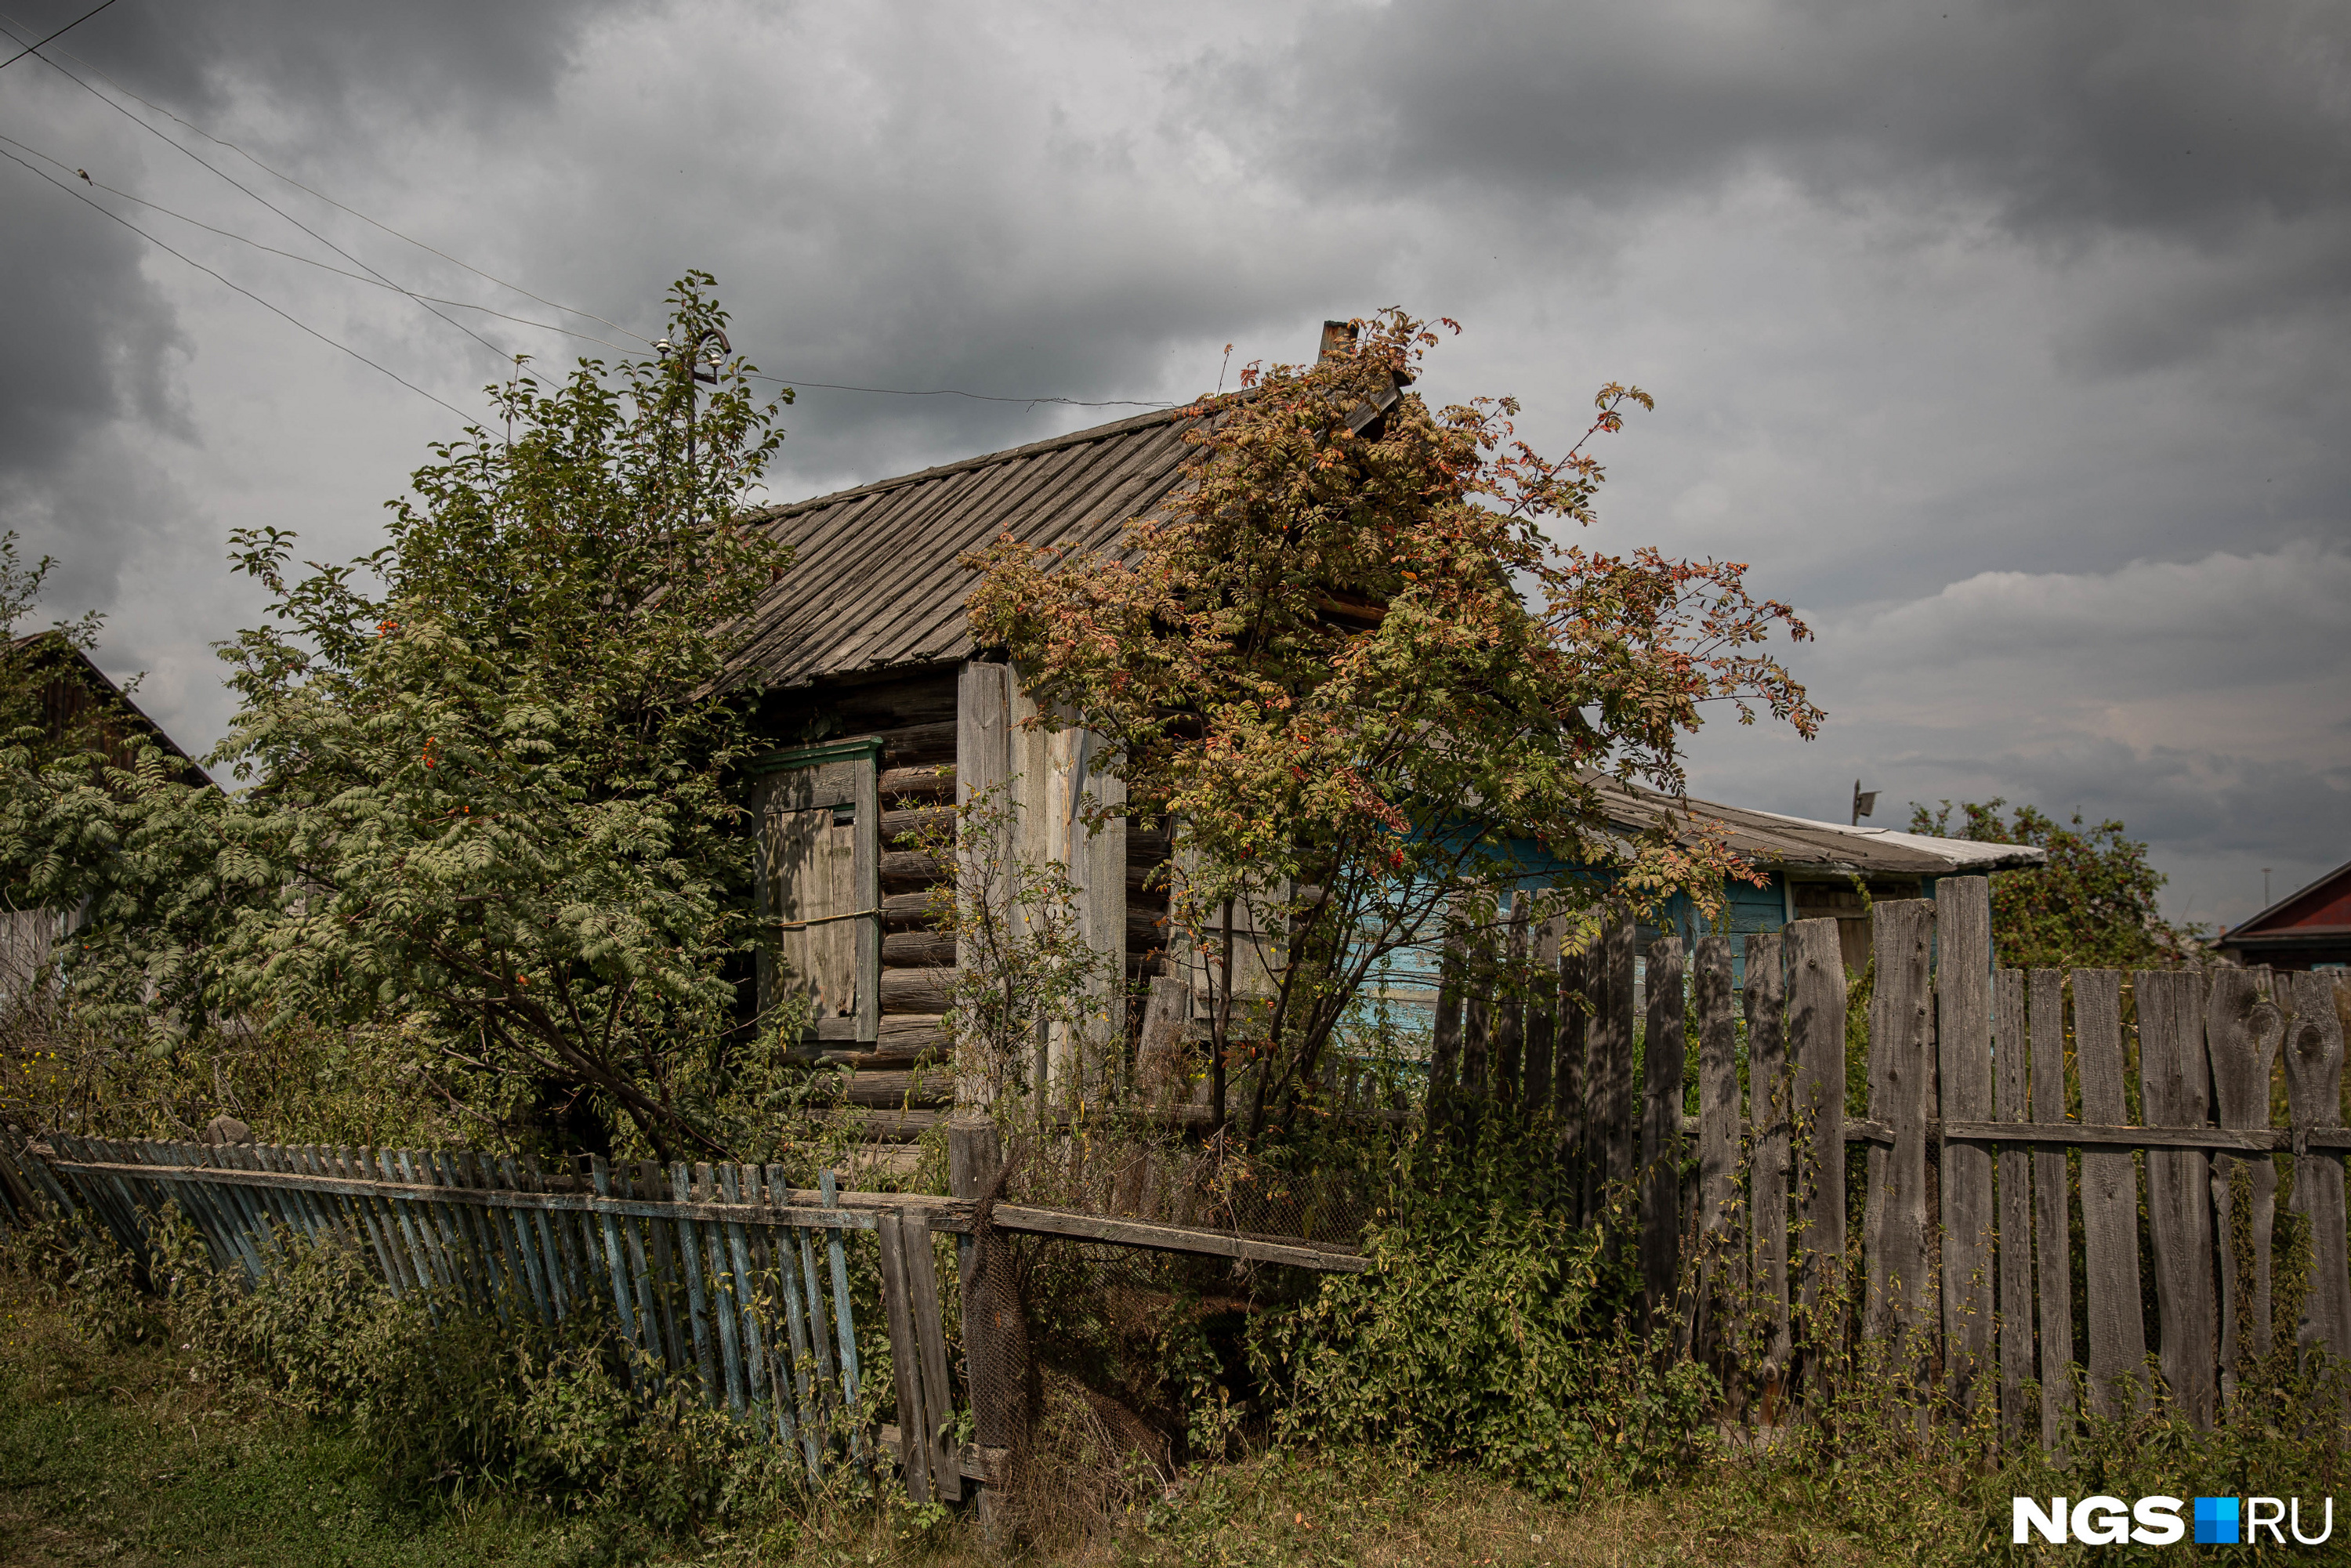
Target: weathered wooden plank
[1191, 1239]
[1542, 1018]
[788, 1370]
[1770, 1092]
[2109, 1203]
[2012, 1063]
[1478, 1010]
[423, 1216]
[2083, 1136]
[2173, 1077]
[905, 1354]
[740, 1290]
[1570, 1101]
[2053, 1212]
[1963, 1046]
[1611, 1058]
[1444, 1050]
[407, 1219]
[2243, 1029]
[689, 1252]
[1898, 1242]
[1721, 1228]
[657, 1271]
[1661, 1134]
[930, 1334]
[843, 1318]
[1511, 1017]
[2314, 1087]
[1816, 1003]
[345, 1164]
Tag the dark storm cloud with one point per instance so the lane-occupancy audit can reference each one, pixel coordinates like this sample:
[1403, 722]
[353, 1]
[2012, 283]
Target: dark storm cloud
[87, 340]
[2176, 118]
[480, 60]
[94, 341]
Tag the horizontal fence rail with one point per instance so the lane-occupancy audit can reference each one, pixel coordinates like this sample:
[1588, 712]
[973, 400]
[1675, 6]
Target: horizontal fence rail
[721, 1280]
[1999, 1117]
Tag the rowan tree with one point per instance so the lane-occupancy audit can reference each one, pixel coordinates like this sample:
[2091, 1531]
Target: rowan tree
[2094, 905]
[1356, 671]
[486, 794]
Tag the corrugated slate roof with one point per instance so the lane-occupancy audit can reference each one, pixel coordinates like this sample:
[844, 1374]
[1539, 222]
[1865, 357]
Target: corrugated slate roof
[876, 579]
[1799, 843]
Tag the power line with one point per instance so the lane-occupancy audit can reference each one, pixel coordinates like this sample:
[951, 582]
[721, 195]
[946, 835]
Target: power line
[354, 212]
[379, 279]
[975, 397]
[60, 33]
[248, 293]
[84, 175]
[264, 200]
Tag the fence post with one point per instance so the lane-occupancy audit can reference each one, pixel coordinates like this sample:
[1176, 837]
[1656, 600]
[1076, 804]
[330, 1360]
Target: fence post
[2053, 1210]
[1896, 1228]
[1721, 1250]
[1769, 1093]
[2109, 1201]
[1661, 1131]
[1963, 1042]
[1543, 1021]
[1571, 1086]
[1510, 1017]
[2172, 1079]
[1816, 1000]
[2242, 1030]
[2013, 1058]
[995, 1330]
[2314, 1086]
[1444, 1056]
[1611, 1055]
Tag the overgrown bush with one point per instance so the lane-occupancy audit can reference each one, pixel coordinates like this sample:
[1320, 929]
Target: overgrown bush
[446, 1399]
[1486, 1331]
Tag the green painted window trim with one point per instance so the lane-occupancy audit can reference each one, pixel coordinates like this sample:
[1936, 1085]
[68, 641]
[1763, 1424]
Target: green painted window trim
[847, 750]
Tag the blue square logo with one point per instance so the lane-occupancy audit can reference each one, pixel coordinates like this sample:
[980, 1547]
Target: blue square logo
[2216, 1521]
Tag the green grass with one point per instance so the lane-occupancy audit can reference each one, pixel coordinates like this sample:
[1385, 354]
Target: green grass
[114, 1456]
[103, 1459]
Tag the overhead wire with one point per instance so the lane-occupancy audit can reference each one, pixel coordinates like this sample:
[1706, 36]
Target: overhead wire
[97, 184]
[264, 200]
[354, 212]
[975, 397]
[53, 38]
[379, 279]
[248, 293]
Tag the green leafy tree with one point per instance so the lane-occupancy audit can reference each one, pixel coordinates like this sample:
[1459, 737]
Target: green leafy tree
[1355, 671]
[2092, 906]
[488, 767]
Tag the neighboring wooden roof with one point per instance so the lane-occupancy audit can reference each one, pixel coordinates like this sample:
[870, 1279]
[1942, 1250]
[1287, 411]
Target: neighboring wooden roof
[877, 579]
[71, 688]
[1800, 845]
[2318, 914]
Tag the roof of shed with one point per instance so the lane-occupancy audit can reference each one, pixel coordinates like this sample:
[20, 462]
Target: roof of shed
[1801, 844]
[2322, 909]
[877, 577]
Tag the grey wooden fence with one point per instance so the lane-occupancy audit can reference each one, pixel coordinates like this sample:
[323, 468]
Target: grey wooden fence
[1979, 1082]
[723, 1280]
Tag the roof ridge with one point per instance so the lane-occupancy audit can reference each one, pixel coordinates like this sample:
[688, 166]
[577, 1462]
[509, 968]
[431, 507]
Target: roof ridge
[966, 464]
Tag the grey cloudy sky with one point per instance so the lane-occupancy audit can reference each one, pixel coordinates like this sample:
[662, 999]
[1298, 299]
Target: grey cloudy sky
[2009, 342]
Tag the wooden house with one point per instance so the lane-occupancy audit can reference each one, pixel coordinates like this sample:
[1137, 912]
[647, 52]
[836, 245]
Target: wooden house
[883, 713]
[2307, 929]
[54, 686]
